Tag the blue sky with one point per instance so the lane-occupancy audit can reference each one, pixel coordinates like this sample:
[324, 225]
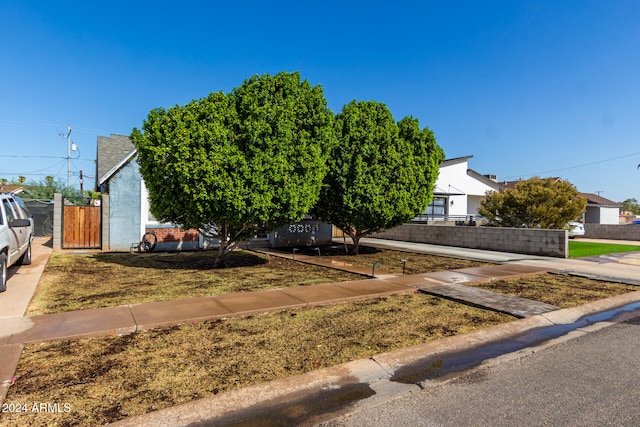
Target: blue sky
[547, 88]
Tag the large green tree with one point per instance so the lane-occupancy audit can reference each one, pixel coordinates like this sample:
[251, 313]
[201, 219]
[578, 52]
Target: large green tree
[237, 164]
[534, 203]
[381, 173]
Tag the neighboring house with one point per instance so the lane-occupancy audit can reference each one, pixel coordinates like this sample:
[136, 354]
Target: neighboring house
[118, 175]
[458, 192]
[601, 210]
[10, 188]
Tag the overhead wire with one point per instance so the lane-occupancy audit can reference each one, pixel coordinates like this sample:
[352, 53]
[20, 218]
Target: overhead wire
[575, 167]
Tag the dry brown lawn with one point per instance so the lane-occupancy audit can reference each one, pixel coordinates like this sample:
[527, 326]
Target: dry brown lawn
[107, 379]
[83, 281]
[102, 380]
[560, 290]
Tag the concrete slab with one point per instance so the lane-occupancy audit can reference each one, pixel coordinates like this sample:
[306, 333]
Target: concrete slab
[24, 279]
[372, 287]
[162, 313]
[455, 276]
[8, 327]
[319, 293]
[412, 280]
[504, 271]
[248, 302]
[515, 306]
[75, 324]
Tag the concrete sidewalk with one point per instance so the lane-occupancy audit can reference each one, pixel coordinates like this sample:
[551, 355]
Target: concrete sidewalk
[15, 330]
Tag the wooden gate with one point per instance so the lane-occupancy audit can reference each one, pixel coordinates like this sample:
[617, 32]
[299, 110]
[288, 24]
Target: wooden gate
[82, 227]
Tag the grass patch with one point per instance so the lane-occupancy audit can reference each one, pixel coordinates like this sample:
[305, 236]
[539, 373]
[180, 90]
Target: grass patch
[585, 249]
[107, 379]
[559, 290]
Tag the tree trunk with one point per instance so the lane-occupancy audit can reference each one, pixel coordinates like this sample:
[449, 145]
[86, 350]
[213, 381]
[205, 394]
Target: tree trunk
[222, 252]
[356, 243]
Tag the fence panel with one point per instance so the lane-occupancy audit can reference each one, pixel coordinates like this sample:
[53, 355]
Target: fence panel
[82, 227]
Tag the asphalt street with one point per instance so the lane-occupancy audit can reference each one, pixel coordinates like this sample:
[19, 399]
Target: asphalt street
[588, 381]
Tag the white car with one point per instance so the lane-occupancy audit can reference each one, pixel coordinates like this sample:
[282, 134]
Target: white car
[576, 229]
[16, 232]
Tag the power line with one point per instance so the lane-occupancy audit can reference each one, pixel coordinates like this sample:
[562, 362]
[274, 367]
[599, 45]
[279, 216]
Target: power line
[575, 167]
[45, 157]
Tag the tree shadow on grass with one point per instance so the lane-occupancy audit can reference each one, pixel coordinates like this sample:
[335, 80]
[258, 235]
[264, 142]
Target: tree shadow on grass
[332, 250]
[192, 260]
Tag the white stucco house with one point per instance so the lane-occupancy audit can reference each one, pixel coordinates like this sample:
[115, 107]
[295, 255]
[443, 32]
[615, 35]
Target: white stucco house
[458, 192]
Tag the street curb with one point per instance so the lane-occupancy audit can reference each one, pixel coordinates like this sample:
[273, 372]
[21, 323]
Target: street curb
[369, 380]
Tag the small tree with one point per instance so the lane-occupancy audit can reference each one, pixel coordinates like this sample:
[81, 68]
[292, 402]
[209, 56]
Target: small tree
[631, 206]
[534, 203]
[381, 174]
[234, 165]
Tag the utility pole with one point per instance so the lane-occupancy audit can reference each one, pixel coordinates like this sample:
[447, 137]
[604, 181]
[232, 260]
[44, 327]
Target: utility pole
[68, 156]
[80, 181]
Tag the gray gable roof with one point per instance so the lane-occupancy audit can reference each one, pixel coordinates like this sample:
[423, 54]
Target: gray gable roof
[112, 152]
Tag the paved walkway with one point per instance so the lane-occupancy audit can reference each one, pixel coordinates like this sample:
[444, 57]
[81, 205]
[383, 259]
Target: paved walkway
[16, 330]
[515, 306]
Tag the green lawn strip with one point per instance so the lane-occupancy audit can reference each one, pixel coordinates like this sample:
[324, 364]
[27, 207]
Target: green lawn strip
[106, 379]
[585, 249]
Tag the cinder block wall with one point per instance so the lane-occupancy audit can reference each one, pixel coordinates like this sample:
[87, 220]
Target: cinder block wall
[612, 231]
[518, 240]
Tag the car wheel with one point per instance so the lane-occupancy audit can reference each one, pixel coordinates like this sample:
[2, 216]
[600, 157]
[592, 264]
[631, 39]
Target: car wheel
[25, 259]
[3, 267]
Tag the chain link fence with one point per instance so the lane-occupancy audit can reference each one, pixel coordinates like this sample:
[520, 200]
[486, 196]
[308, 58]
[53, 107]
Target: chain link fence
[42, 213]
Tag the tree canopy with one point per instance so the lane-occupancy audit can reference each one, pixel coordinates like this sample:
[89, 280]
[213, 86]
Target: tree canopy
[631, 206]
[238, 164]
[534, 203]
[45, 189]
[381, 173]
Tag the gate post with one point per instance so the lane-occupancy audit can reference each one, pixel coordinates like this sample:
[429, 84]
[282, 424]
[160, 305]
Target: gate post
[105, 222]
[57, 221]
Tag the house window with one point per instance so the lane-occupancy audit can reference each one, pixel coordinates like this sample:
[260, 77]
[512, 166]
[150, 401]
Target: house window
[437, 208]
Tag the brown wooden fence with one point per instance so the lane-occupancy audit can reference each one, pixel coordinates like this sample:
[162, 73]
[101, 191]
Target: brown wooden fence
[82, 227]
[336, 232]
